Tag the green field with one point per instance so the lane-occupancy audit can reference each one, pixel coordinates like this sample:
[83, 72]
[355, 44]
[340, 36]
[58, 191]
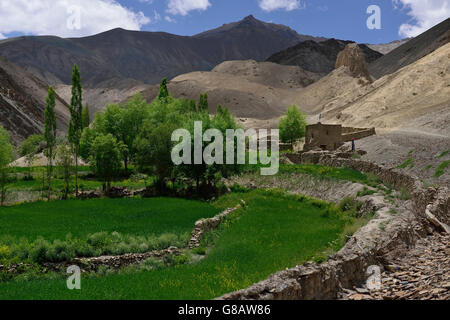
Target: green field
[56, 219]
[62, 230]
[275, 231]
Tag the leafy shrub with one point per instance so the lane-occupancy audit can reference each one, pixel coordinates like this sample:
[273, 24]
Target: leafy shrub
[40, 250]
[349, 206]
[200, 251]
[153, 264]
[5, 252]
[94, 245]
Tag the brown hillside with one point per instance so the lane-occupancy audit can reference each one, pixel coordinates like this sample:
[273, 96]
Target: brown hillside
[22, 102]
[249, 89]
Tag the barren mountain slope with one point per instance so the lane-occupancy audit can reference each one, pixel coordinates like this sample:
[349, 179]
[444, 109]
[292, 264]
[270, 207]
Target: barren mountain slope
[249, 89]
[145, 56]
[337, 86]
[385, 48]
[417, 96]
[22, 102]
[106, 93]
[412, 50]
[318, 57]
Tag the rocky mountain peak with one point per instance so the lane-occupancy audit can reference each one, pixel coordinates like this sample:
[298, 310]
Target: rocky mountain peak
[250, 18]
[353, 58]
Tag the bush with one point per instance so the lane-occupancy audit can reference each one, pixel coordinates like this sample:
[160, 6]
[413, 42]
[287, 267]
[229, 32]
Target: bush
[94, 245]
[5, 252]
[39, 252]
[349, 206]
[200, 251]
[153, 264]
[173, 260]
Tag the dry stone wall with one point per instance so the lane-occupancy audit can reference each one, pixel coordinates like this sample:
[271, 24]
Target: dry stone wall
[369, 246]
[205, 225]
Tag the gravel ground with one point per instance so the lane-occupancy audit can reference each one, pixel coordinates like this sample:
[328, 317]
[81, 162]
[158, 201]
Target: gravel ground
[422, 274]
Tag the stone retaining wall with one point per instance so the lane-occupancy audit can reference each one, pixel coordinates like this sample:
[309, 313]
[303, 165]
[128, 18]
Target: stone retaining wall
[204, 225]
[348, 267]
[115, 262]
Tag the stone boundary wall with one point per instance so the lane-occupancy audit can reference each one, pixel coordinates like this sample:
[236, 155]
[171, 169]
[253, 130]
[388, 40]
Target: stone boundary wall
[93, 264]
[204, 225]
[348, 267]
[360, 134]
[346, 130]
[116, 262]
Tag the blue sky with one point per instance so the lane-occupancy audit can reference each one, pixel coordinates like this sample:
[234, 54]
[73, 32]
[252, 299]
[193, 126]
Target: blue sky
[343, 19]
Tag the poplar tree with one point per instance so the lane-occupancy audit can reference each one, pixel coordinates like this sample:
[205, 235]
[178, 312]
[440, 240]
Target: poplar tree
[75, 124]
[50, 134]
[86, 120]
[163, 91]
[203, 102]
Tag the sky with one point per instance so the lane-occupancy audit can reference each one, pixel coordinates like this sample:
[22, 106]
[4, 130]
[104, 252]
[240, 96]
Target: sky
[342, 19]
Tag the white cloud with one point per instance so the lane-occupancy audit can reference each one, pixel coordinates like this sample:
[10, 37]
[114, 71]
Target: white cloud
[183, 7]
[288, 5]
[2, 36]
[67, 18]
[169, 19]
[425, 14]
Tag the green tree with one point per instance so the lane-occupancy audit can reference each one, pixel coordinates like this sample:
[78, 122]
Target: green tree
[6, 156]
[136, 111]
[29, 148]
[203, 103]
[123, 122]
[75, 124]
[85, 118]
[292, 126]
[106, 158]
[50, 135]
[87, 137]
[163, 91]
[192, 106]
[154, 148]
[64, 159]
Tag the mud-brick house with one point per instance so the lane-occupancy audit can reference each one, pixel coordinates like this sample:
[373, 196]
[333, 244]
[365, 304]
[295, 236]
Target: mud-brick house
[332, 136]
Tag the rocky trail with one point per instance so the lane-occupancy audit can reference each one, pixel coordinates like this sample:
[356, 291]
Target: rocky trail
[422, 274]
